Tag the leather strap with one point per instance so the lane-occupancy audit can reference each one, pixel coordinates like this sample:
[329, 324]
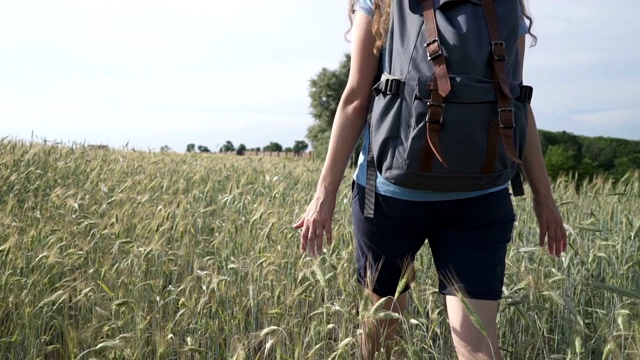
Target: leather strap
[508, 143]
[505, 98]
[493, 138]
[433, 134]
[435, 116]
[434, 50]
[426, 164]
[498, 49]
[440, 88]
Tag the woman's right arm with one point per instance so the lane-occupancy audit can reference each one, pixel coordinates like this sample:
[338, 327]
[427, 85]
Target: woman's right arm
[347, 127]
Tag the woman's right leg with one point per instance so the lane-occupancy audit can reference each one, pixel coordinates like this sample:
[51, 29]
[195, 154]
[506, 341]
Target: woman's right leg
[385, 248]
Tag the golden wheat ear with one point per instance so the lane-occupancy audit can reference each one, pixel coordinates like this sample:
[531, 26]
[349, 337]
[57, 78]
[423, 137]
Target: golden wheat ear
[407, 276]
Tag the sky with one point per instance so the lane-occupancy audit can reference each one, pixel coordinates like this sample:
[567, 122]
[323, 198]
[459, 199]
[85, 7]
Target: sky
[148, 73]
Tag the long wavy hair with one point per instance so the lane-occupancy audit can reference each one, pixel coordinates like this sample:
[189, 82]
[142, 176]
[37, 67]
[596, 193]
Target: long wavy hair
[382, 16]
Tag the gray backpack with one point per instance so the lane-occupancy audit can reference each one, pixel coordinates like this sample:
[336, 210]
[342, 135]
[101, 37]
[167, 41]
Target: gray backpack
[451, 113]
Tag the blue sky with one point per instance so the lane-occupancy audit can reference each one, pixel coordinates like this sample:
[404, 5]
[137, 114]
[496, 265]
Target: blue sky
[160, 72]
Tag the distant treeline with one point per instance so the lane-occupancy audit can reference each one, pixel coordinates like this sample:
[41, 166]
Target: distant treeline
[298, 148]
[583, 156]
[288, 154]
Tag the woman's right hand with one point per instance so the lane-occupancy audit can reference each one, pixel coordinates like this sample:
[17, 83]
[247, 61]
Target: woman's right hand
[316, 223]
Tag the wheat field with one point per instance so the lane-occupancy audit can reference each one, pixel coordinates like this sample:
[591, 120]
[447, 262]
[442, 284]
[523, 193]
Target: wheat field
[108, 254]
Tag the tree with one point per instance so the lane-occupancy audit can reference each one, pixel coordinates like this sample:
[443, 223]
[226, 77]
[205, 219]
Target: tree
[191, 148]
[559, 160]
[325, 91]
[227, 147]
[203, 149]
[626, 164]
[165, 148]
[241, 149]
[273, 146]
[299, 147]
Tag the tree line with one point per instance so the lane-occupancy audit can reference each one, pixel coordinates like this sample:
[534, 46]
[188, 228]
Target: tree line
[586, 157]
[564, 152]
[299, 147]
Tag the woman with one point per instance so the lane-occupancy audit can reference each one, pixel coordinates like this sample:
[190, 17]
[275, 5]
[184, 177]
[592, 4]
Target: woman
[469, 236]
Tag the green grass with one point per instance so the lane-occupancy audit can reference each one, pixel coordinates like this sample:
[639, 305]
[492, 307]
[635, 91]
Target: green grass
[130, 255]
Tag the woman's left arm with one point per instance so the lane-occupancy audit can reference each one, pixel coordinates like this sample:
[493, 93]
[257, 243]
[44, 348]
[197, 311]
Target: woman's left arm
[549, 218]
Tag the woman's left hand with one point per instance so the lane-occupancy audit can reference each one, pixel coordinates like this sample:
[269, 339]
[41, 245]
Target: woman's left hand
[550, 224]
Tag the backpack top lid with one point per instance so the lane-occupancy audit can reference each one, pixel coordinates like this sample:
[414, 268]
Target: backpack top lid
[464, 39]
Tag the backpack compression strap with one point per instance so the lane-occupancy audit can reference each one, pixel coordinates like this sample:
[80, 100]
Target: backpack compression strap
[435, 115]
[505, 98]
[434, 50]
[440, 87]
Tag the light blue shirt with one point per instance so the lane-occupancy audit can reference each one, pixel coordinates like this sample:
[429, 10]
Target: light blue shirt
[383, 186]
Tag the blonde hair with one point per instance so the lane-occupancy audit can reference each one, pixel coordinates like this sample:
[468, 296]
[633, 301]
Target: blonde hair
[382, 17]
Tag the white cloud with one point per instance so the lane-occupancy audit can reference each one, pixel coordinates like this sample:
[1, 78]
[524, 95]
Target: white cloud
[582, 66]
[609, 118]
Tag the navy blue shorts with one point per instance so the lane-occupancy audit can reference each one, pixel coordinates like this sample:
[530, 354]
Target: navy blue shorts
[468, 240]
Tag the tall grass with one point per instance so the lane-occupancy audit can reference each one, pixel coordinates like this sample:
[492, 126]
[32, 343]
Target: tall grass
[129, 255]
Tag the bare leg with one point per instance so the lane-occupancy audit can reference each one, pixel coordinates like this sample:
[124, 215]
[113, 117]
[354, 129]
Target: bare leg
[375, 329]
[469, 341]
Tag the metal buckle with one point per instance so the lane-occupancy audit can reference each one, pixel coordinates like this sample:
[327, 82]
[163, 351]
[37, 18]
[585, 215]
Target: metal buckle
[504, 111]
[430, 105]
[437, 54]
[501, 53]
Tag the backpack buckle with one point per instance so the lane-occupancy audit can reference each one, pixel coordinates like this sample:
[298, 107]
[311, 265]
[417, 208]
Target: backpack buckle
[526, 93]
[437, 50]
[391, 86]
[505, 118]
[499, 50]
[435, 112]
